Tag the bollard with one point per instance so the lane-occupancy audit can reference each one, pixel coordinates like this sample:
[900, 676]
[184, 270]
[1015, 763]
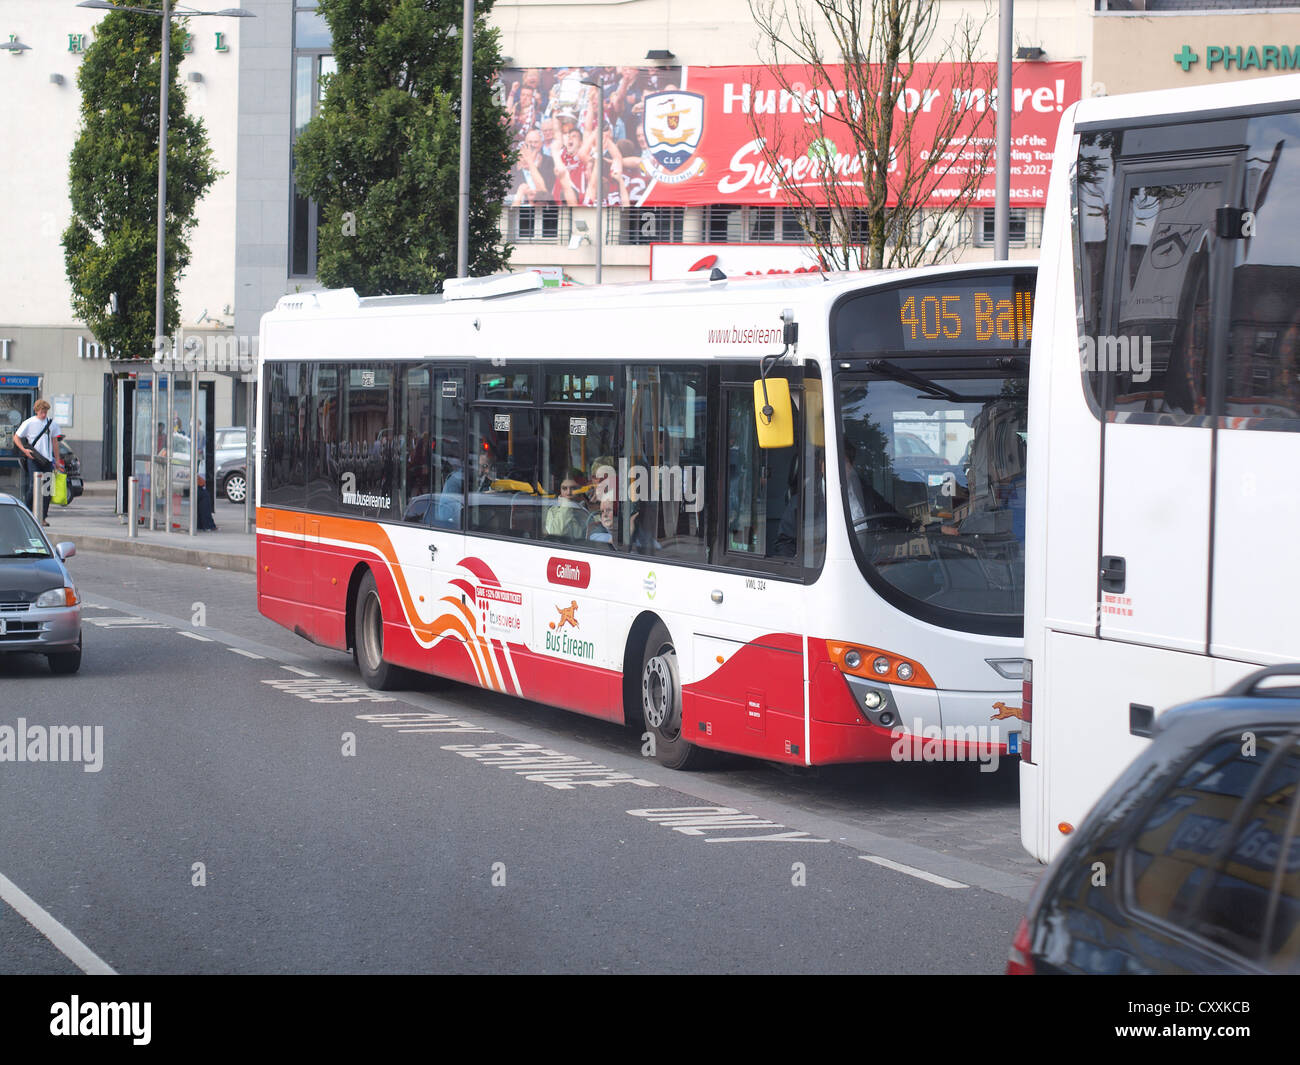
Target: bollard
[39, 495]
[132, 507]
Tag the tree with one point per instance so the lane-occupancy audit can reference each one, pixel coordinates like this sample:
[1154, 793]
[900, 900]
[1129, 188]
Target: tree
[110, 245]
[881, 130]
[382, 158]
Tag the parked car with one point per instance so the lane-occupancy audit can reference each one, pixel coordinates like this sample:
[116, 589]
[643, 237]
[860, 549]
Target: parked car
[40, 611]
[232, 462]
[1190, 863]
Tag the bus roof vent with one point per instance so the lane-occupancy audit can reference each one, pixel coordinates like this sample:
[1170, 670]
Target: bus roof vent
[481, 288]
[333, 299]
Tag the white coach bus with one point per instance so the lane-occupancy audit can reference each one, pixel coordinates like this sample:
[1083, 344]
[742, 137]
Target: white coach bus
[571, 496]
[1164, 427]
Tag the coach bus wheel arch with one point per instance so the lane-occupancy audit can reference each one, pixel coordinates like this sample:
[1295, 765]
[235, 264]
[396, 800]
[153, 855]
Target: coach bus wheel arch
[658, 699]
[368, 636]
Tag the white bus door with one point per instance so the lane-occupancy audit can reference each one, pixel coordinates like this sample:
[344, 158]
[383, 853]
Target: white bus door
[1151, 374]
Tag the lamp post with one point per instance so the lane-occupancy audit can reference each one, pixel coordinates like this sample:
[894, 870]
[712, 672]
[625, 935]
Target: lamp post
[166, 13]
[600, 169]
[466, 118]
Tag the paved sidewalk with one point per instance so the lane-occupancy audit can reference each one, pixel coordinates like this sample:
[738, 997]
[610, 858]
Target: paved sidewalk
[90, 523]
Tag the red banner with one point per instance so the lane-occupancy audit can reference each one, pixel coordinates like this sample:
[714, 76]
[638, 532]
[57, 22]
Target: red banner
[697, 135]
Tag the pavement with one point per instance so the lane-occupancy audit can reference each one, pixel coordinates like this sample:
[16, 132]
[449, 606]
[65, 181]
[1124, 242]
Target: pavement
[92, 523]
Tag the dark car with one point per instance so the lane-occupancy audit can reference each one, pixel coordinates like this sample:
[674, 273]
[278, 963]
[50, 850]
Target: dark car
[40, 612]
[1190, 863]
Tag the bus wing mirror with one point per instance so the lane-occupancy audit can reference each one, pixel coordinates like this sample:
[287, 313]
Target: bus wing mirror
[773, 418]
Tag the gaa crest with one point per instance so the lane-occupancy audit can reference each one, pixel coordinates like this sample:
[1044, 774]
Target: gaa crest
[674, 124]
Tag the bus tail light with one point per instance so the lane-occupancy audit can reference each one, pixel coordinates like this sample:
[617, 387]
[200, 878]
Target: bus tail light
[1027, 714]
[863, 661]
[1020, 961]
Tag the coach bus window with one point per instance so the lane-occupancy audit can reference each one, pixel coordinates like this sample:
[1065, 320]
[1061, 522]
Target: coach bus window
[660, 480]
[1263, 367]
[580, 387]
[286, 412]
[506, 495]
[368, 440]
[934, 489]
[578, 448]
[323, 440]
[504, 384]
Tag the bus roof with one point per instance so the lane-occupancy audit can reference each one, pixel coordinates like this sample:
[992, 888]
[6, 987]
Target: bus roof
[1208, 101]
[703, 317]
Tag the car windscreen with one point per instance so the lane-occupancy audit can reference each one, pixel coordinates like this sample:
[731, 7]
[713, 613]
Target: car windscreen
[20, 536]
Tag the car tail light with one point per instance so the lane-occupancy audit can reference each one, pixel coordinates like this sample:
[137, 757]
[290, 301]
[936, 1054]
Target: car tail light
[1027, 713]
[1020, 961]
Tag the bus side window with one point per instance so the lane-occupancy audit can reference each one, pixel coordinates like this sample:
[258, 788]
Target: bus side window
[764, 487]
[505, 495]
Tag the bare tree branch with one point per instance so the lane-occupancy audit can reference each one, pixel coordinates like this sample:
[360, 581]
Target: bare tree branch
[865, 185]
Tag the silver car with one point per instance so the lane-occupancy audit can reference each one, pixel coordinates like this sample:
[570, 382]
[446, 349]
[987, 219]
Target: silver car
[40, 611]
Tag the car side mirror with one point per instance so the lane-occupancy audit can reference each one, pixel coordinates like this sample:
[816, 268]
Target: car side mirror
[66, 550]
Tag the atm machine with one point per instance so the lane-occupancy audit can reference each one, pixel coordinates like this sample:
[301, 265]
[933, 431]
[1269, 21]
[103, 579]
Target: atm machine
[17, 394]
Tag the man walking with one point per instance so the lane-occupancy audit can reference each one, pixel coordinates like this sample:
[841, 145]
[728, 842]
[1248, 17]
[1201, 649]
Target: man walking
[35, 439]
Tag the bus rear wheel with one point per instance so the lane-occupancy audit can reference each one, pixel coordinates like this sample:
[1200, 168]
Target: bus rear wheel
[368, 644]
[661, 703]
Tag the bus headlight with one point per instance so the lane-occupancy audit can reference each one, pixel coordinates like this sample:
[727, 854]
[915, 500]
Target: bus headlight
[904, 671]
[873, 700]
[852, 659]
[881, 665]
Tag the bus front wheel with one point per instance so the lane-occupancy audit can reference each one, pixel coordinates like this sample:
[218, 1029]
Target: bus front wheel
[661, 702]
[368, 646]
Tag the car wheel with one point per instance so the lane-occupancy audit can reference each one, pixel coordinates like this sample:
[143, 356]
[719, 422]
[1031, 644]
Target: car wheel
[65, 662]
[235, 487]
[368, 646]
[661, 703]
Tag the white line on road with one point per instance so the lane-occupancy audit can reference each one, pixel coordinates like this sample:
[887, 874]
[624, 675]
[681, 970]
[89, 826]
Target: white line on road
[300, 672]
[246, 654]
[910, 870]
[69, 945]
[195, 636]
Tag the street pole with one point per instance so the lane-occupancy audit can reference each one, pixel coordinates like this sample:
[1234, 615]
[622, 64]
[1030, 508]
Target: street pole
[466, 112]
[1002, 187]
[166, 22]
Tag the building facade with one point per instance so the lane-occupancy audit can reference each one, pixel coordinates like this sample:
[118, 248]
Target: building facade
[256, 82]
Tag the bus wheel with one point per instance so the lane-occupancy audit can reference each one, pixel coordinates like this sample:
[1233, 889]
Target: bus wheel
[661, 702]
[368, 647]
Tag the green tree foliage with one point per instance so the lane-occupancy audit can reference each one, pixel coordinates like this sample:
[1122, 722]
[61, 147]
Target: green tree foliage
[110, 245]
[382, 159]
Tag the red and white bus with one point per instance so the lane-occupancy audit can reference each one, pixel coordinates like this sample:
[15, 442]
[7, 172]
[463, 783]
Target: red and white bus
[561, 495]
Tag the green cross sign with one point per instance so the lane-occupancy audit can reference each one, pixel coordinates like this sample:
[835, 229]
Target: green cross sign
[1186, 58]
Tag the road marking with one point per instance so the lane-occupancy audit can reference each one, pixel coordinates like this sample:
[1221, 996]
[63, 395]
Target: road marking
[246, 654]
[195, 636]
[701, 820]
[533, 761]
[920, 874]
[124, 623]
[67, 944]
[320, 690]
[95, 606]
[300, 672]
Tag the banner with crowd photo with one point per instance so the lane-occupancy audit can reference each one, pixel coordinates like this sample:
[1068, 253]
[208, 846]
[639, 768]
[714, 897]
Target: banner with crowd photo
[688, 136]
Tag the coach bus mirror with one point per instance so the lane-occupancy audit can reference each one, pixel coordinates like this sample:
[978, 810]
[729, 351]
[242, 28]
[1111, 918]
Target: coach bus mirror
[772, 414]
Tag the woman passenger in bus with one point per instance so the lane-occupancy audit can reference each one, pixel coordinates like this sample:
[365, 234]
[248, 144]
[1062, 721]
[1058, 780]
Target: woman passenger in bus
[566, 519]
[606, 525]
